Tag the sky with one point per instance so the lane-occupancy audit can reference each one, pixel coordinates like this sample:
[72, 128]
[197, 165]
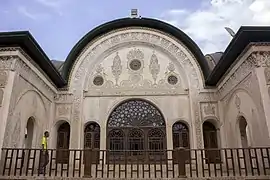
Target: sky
[58, 25]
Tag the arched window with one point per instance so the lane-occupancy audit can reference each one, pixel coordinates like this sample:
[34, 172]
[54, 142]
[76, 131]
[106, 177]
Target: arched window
[116, 144]
[210, 142]
[92, 136]
[180, 135]
[136, 143]
[136, 118]
[156, 139]
[63, 138]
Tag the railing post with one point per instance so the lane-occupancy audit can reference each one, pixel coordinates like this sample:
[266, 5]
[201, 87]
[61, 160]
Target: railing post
[87, 163]
[181, 162]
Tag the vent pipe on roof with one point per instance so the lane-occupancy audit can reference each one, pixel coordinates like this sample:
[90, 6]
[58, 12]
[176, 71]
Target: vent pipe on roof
[230, 31]
[134, 13]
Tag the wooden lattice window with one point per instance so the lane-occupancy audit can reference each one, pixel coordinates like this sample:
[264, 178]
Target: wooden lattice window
[136, 125]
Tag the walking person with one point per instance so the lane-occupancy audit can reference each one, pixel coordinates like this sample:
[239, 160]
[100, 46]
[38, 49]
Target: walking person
[44, 159]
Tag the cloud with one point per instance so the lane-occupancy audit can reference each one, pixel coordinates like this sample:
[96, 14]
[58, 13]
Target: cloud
[34, 16]
[53, 4]
[206, 24]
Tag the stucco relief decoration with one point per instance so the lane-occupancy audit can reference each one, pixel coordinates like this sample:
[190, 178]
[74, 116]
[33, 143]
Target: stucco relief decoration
[3, 78]
[1, 96]
[116, 68]
[260, 59]
[6, 61]
[135, 61]
[237, 102]
[98, 79]
[129, 36]
[209, 109]
[154, 67]
[171, 79]
[63, 110]
[267, 75]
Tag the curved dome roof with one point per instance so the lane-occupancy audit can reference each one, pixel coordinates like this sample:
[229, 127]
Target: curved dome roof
[139, 22]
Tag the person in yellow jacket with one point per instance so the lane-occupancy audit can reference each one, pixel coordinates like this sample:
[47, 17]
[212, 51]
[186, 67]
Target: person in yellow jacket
[44, 159]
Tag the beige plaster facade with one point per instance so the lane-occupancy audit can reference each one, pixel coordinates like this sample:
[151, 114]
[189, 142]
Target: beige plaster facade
[31, 104]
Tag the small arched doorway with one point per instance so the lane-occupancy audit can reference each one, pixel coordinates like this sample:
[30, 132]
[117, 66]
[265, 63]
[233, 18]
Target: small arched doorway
[29, 133]
[210, 143]
[180, 134]
[92, 139]
[138, 126]
[63, 137]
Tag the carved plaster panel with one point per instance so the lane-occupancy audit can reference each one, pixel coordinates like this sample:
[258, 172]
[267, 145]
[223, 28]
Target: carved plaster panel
[63, 110]
[63, 98]
[209, 109]
[154, 80]
[267, 75]
[1, 96]
[3, 78]
[6, 62]
[117, 68]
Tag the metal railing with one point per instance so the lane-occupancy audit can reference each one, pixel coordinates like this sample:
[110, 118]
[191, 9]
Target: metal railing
[138, 164]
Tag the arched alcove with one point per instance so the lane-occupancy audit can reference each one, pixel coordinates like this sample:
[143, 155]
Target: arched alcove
[243, 128]
[29, 133]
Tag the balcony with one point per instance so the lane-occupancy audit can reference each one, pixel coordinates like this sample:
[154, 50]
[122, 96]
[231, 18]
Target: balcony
[251, 163]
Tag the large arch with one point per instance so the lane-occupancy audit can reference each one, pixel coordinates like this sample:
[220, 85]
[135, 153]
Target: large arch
[134, 22]
[97, 58]
[241, 103]
[136, 125]
[17, 121]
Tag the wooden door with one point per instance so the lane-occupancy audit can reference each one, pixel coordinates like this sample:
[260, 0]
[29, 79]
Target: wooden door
[92, 142]
[212, 155]
[180, 139]
[63, 137]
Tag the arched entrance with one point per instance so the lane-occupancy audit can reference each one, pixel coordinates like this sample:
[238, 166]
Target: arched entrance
[180, 133]
[92, 139]
[63, 136]
[29, 134]
[210, 143]
[136, 125]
